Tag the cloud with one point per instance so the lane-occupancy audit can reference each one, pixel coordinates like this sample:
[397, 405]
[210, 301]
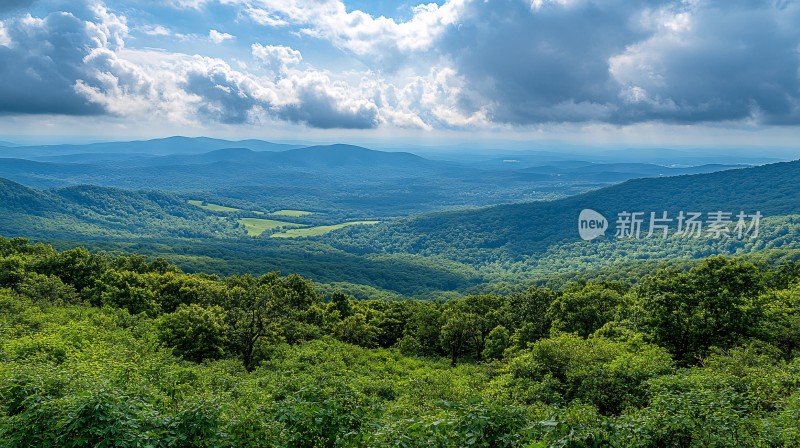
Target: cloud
[463, 64]
[714, 61]
[321, 103]
[62, 64]
[381, 39]
[187, 4]
[155, 30]
[217, 37]
[43, 58]
[276, 57]
[541, 62]
[551, 61]
[5, 39]
[620, 62]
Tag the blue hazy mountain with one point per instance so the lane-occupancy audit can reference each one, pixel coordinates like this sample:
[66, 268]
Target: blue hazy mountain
[354, 180]
[164, 146]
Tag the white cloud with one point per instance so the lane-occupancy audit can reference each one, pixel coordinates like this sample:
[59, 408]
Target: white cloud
[710, 61]
[157, 30]
[276, 57]
[5, 39]
[217, 37]
[357, 31]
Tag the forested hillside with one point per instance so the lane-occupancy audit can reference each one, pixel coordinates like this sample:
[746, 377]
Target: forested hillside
[125, 351]
[544, 234]
[433, 255]
[103, 213]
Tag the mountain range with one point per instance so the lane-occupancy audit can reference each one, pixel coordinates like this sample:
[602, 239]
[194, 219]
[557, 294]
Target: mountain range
[344, 180]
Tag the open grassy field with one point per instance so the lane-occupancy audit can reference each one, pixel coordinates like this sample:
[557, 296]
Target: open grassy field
[256, 226]
[214, 207]
[292, 213]
[318, 230]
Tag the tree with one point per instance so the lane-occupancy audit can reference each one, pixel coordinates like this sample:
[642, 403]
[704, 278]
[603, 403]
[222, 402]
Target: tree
[195, 332]
[356, 330]
[77, 267]
[497, 342]
[584, 309]
[458, 329]
[130, 290]
[175, 289]
[249, 319]
[424, 326]
[268, 306]
[465, 323]
[342, 303]
[47, 288]
[781, 323]
[714, 304]
[527, 313]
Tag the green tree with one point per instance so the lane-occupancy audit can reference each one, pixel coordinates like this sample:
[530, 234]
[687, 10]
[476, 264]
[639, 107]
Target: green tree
[129, 290]
[341, 303]
[527, 314]
[714, 304]
[195, 332]
[781, 323]
[498, 340]
[584, 309]
[250, 319]
[458, 327]
[356, 330]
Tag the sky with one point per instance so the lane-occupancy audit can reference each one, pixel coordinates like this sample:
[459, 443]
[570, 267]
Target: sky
[576, 72]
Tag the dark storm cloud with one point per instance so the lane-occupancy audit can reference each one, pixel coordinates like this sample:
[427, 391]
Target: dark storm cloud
[529, 62]
[318, 108]
[624, 62]
[737, 60]
[223, 100]
[39, 70]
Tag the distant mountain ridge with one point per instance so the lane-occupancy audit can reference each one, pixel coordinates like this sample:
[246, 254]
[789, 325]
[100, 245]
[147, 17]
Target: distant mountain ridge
[162, 146]
[347, 179]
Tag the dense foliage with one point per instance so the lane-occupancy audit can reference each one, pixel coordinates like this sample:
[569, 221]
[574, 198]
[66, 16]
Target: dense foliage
[126, 351]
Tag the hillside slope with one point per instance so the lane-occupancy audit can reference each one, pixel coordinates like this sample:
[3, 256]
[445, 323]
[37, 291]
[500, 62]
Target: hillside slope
[162, 224]
[525, 232]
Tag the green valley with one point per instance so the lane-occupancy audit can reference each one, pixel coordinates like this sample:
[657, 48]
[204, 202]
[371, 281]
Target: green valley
[320, 230]
[257, 226]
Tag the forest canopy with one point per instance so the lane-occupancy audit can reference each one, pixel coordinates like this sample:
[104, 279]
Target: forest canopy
[129, 351]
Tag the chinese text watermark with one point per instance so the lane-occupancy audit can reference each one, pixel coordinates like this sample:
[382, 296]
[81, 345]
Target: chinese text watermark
[691, 224]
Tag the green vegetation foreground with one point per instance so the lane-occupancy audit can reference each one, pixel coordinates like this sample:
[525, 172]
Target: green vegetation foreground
[99, 351]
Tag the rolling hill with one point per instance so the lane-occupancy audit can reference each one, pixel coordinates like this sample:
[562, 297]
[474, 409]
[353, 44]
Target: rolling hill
[162, 224]
[421, 254]
[539, 236]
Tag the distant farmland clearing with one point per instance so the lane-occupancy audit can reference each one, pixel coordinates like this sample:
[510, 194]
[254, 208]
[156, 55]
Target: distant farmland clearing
[292, 213]
[256, 226]
[319, 230]
[214, 207]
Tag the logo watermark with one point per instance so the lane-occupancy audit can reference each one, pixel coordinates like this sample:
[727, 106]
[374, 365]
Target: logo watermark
[644, 225]
[591, 224]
